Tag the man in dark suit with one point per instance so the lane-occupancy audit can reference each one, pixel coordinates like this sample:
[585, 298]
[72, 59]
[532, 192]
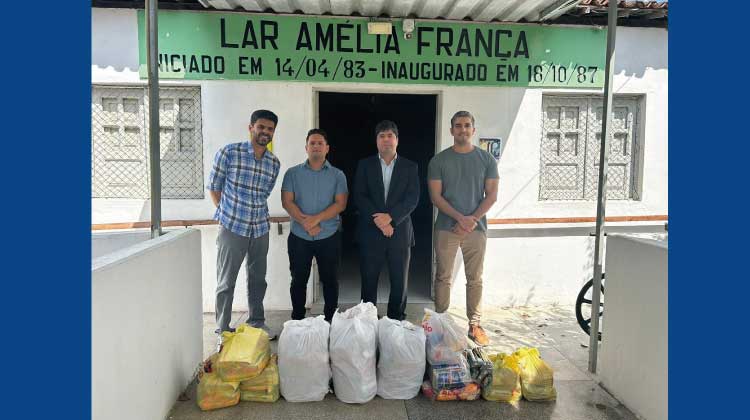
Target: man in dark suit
[386, 192]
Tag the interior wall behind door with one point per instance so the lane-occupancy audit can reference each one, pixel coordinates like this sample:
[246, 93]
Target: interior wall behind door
[350, 119]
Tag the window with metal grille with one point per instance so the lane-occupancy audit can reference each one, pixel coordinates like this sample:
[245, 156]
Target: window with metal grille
[571, 135]
[119, 142]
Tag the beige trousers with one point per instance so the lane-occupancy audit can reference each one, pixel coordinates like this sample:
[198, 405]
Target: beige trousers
[472, 247]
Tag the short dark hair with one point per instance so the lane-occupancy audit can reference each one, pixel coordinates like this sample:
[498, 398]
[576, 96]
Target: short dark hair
[264, 114]
[460, 114]
[386, 125]
[319, 131]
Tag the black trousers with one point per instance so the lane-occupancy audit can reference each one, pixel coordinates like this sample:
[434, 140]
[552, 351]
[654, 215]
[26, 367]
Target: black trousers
[327, 254]
[371, 263]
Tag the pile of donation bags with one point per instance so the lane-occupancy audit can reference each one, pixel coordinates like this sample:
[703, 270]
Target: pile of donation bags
[356, 335]
[449, 377]
[459, 370]
[522, 373]
[311, 353]
[363, 357]
[242, 370]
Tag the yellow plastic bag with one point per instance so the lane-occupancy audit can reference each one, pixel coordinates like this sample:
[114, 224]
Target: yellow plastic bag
[244, 354]
[264, 387]
[537, 382]
[214, 393]
[506, 380]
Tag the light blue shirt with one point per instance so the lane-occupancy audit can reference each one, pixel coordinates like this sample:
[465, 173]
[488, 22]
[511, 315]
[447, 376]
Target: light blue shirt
[387, 173]
[314, 191]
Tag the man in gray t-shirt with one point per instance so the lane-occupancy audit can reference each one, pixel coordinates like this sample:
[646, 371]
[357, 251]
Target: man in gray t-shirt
[463, 183]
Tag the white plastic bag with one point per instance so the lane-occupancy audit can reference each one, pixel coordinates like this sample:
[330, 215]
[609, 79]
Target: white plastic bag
[304, 367]
[402, 359]
[354, 342]
[445, 341]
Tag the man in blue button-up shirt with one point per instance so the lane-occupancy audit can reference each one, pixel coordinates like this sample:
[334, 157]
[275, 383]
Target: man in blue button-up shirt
[242, 177]
[314, 193]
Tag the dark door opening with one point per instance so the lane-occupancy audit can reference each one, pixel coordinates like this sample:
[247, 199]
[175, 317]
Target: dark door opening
[350, 119]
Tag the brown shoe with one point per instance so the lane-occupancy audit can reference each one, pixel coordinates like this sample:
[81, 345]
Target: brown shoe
[477, 334]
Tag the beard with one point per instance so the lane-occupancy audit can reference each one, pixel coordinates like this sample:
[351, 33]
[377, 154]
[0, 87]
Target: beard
[262, 139]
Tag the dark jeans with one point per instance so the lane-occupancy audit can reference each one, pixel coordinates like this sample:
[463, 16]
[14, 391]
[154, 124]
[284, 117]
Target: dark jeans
[371, 264]
[326, 252]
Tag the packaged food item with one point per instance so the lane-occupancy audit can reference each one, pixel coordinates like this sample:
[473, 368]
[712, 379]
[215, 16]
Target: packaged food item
[480, 366]
[449, 376]
[353, 347]
[244, 354]
[468, 392]
[401, 366]
[304, 365]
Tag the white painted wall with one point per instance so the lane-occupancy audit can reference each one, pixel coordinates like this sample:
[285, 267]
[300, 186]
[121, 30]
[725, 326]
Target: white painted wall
[278, 277]
[146, 326]
[105, 242]
[633, 361]
[277, 272]
[549, 271]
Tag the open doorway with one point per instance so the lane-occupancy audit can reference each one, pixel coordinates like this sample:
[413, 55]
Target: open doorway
[350, 119]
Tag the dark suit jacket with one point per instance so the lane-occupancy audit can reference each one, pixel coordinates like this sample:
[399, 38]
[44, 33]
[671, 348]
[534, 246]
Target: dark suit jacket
[403, 196]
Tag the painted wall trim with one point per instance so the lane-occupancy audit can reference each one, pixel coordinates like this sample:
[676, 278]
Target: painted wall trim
[287, 219]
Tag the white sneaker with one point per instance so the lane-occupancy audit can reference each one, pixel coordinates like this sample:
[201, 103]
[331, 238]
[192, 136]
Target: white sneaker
[219, 342]
[220, 339]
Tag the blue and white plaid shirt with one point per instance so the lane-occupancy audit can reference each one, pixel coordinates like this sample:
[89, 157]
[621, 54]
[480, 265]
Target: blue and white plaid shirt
[245, 184]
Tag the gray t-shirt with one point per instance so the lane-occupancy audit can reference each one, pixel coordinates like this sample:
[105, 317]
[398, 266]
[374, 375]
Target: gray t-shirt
[463, 176]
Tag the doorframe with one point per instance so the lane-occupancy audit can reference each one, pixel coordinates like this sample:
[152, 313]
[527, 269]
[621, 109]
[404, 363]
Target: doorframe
[314, 289]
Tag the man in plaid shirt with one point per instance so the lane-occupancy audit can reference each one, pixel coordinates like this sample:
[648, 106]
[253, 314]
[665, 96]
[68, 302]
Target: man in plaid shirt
[242, 177]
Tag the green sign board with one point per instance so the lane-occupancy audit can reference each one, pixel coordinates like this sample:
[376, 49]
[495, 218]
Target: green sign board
[235, 46]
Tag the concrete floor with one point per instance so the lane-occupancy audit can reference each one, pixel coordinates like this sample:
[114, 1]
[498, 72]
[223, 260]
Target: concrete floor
[551, 329]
